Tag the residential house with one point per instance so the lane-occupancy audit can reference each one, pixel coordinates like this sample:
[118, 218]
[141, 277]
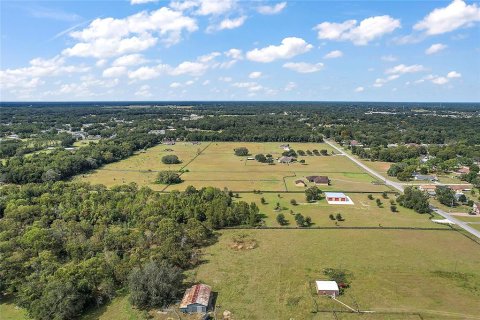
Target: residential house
[463, 170]
[421, 177]
[319, 180]
[430, 189]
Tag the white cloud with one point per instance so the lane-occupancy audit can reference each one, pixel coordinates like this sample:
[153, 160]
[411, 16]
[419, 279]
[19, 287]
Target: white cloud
[225, 79]
[129, 60]
[434, 48]
[334, 54]
[255, 75]
[190, 68]
[141, 1]
[369, 29]
[401, 69]
[389, 58]
[250, 86]
[454, 74]
[206, 83]
[29, 77]
[215, 7]
[379, 82]
[175, 85]
[144, 91]
[290, 86]
[290, 47]
[106, 37]
[209, 57]
[232, 23]
[359, 89]
[275, 9]
[101, 63]
[456, 15]
[114, 72]
[144, 73]
[303, 67]
[439, 80]
[234, 54]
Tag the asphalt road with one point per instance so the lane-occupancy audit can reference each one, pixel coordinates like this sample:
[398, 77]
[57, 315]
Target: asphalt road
[398, 186]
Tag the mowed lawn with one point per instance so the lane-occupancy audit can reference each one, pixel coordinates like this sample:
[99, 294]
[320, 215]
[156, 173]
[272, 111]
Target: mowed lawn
[434, 273]
[214, 164]
[363, 213]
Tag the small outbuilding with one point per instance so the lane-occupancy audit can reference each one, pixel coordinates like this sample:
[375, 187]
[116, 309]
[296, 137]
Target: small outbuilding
[476, 208]
[286, 159]
[196, 299]
[327, 288]
[337, 198]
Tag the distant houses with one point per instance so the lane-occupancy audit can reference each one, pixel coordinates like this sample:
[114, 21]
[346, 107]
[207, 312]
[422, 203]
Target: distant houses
[285, 147]
[423, 177]
[286, 159]
[196, 299]
[319, 180]
[476, 208]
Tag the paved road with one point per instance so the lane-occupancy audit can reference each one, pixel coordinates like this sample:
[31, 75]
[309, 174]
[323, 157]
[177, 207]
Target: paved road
[400, 187]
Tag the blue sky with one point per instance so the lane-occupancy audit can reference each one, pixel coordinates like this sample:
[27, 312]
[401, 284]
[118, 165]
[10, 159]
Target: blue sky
[240, 50]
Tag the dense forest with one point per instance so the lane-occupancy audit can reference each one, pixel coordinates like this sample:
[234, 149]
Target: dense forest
[67, 246]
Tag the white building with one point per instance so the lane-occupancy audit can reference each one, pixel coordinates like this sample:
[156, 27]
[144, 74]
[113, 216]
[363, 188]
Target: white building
[327, 288]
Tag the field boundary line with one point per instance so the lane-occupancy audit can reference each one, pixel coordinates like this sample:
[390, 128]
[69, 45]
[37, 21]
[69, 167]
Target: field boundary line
[338, 228]
[191, 160]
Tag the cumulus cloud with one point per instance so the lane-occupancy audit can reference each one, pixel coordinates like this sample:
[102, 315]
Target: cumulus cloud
[452, 17]
[290, 86]
[190, 68]
[30, 77]
[107, 37]
[439, 80]
[250, 86]
[290, 47]
[232, 23]
[215, 7]
[255, 75]
[145, 73]
[303, 67]
[434, 48]
[144, 91]
[402, 69]
[129, 60]
[114, 72]
[379, 82]
[269, 10]
[334, 54]
[141, 1]
[359, 34]
[359, 89]
[234, 54]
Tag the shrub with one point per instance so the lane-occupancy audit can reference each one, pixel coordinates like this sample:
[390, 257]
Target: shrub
[168, 177]
[170, 159]
[241, 152]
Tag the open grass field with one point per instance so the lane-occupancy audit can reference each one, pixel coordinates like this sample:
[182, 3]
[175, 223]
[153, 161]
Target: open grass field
[214, 164]
[434, 273]
[364, 212]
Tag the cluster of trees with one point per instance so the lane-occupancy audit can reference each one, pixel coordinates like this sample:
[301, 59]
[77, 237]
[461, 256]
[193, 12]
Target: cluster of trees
[395, 154]
[68, 246]
[168, 177]
[264, 158]
[63, 164]
[313, 194]
[170, 159]
[414, 199]
[241, 152]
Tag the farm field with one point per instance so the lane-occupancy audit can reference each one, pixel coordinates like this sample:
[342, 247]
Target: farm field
[434, 273]
[214, 164]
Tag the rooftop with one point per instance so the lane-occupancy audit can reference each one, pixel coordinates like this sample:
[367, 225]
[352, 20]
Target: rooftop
[335, 194]
[198, 294]
[326, 285]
